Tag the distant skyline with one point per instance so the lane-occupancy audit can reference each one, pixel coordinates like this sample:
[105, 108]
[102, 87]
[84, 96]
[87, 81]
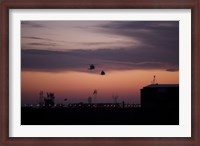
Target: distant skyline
[55, 56]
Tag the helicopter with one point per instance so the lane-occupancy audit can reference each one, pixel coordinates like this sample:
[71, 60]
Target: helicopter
[91, 67]
[102, 73]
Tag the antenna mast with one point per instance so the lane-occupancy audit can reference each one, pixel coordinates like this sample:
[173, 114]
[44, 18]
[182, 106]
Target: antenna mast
[41, 99]
[115, 98]
[154, 80]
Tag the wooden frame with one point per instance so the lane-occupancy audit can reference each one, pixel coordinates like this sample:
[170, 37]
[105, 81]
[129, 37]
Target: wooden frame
[89, 4]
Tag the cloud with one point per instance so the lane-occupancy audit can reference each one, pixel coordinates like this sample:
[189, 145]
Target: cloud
[160, 35]
[127, 45]
[157, 34]
[32, 24]
[173, 68]
[108, 59]
[42, 44]
[38, 38]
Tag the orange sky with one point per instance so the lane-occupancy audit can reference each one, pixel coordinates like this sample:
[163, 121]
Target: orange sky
[78, 86]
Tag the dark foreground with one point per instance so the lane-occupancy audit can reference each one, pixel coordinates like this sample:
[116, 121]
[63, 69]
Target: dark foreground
[98, 116]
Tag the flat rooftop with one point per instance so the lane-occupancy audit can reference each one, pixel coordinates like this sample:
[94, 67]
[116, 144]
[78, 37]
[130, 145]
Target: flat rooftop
[161, 85]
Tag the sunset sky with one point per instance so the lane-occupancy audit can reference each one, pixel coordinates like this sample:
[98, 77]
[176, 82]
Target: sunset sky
[55, 56]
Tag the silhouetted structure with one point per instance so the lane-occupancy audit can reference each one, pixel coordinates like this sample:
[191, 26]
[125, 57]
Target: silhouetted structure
[160, 96]
[115, 98]
[41, 99]
[154, 81]
[49, 100]
[89, 100]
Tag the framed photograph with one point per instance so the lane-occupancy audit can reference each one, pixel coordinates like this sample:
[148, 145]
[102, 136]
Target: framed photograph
[100, 72]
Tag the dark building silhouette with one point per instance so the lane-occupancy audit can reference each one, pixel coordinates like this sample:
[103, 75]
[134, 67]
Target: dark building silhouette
[160, 96]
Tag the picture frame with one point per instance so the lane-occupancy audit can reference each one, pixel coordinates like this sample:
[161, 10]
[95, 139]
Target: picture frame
[99, 4]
